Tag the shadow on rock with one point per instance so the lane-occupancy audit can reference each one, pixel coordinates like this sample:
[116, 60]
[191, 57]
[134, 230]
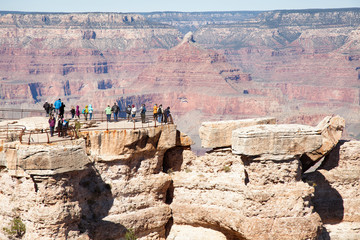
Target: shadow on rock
[327, 201]
[95, 200]
[329, 162]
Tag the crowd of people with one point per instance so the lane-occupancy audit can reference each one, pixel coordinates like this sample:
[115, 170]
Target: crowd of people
[160, 115]
[56, 113]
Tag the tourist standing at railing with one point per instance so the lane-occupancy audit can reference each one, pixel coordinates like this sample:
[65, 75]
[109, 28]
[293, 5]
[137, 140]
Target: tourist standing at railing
[115, 110]
[51, 109]
[57, 105]
[155, 111]
[133, 112]
[62, 110]
[52, 125]
[108, 113]
[91, 110]
[78, 111]
[85, 111]
[65, 126]
[167, 115]
[160, 113]
[72, 111]
[59, 126]
[46, 106]
[128, 112]
[142, 113]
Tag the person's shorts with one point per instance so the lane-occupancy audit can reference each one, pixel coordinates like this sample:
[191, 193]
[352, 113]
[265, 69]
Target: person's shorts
[133, 115]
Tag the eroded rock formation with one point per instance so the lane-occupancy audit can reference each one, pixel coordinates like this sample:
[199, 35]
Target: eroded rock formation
[149, 181]
[291, 57]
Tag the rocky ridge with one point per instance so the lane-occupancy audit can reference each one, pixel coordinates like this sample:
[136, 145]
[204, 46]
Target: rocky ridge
[150, 181]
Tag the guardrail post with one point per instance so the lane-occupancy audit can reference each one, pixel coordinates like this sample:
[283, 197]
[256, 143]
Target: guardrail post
[21, 134]
[48, 139]
[29, 137]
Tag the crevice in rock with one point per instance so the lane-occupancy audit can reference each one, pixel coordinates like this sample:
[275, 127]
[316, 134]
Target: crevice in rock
[173, 159]
[246, 180]
[168, 226]
[170, 193]
[35, 184]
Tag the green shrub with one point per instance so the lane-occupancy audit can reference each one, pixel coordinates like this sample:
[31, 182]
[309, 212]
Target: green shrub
[130, 235]
[17, 228]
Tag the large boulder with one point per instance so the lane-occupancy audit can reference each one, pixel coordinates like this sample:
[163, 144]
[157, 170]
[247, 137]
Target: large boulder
[331, 130]
[46, 159]
[218, 134]
[282, 139]
[126, 144]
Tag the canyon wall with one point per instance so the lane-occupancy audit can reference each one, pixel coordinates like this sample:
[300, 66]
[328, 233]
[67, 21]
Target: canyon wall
[297, 66]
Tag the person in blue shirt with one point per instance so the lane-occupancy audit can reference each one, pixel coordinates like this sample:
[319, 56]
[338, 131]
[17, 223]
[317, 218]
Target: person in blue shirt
[57, 105]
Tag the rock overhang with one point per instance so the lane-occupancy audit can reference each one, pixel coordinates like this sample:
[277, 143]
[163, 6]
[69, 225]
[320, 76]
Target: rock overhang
[218, 134]
[279, 139]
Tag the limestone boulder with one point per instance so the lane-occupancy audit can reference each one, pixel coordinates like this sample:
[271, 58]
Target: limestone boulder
[331, 130]
[218, 134]
[281, 139]
[126, 144]
[46, 159]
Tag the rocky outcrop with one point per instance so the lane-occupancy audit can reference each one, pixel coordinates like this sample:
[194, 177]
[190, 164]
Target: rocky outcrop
[218, 134]
[45, 160]
[150, 182]
[336, 196]
[95, 188]
[214, 191]
[331, 131]
[281, 139]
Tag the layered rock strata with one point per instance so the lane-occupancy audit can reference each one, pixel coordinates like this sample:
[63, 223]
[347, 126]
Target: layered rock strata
[218, 134]
[95, 188]
[150, 181]
[282, 139]
[336, 197]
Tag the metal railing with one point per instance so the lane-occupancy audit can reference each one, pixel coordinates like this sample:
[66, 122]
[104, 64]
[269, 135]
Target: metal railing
[12, 132]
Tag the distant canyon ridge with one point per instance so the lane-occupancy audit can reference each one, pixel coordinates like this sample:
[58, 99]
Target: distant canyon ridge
[295, 65]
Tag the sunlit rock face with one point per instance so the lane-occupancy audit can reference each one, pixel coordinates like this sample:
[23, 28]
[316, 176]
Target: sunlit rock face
[112, 182]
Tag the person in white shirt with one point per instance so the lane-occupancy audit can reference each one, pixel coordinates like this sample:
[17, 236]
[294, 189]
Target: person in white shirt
[133, 112]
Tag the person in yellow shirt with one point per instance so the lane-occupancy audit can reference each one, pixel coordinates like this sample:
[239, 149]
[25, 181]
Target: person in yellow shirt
[155, 111]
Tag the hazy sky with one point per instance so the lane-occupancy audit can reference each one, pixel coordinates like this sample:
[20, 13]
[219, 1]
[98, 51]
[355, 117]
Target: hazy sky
[167, 5]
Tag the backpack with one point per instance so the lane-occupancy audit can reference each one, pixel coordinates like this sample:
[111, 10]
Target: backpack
[83, 111]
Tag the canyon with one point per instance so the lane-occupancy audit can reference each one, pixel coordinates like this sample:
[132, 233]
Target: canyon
[148, 182]
[297, 65]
